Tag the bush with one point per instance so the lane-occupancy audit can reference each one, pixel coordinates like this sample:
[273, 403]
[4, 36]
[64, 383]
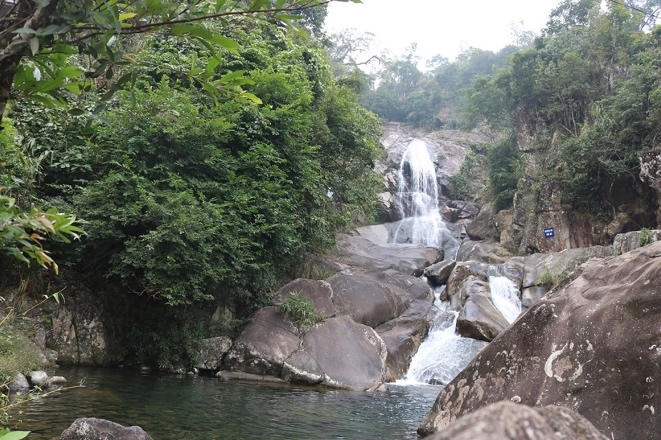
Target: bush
[299, 310]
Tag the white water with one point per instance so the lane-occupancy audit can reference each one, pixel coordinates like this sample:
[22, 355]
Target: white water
[444, 353]
[418, 201]
[504, 294]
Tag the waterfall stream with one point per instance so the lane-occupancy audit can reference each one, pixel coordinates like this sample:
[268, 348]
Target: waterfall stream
[443, 354]
[417, 194]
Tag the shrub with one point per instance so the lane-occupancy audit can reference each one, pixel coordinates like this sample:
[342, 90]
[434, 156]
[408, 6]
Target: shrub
[299, 310]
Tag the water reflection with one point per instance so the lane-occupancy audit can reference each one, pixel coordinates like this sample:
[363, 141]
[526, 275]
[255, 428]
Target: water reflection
[172, 407]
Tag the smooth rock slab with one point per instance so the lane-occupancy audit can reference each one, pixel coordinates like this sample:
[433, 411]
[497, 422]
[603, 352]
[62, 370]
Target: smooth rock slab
[351, 355]
[366, 300]
[100, 429]
[511, 421]
[319, 292]
[264, 344]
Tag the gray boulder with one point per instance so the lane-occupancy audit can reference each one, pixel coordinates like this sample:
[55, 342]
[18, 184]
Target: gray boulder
[19, 384]
[319, 292]
[212, 353]
[366, 300]
[407, 258]
[591, 344]
[38, 378]
[264, 344]
[100, 429]
[351, 355]
[633, 240]
[511, 421]
[439, 273]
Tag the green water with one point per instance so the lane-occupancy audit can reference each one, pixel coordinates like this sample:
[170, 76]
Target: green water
[183, 407]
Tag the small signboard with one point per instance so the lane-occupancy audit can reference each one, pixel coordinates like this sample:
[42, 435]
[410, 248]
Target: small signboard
[549, 232]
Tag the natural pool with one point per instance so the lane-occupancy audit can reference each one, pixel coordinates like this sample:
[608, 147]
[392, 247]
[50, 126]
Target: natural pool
[182, 407]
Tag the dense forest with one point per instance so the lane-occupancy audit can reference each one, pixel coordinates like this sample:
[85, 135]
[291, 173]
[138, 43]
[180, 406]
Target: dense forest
[201, 158]
[205, 163]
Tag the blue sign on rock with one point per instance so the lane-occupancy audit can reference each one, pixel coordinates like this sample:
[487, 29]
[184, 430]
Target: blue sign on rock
[549, 232]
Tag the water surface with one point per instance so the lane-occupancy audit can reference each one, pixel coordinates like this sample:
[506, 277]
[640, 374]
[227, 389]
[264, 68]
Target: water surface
[184, 407]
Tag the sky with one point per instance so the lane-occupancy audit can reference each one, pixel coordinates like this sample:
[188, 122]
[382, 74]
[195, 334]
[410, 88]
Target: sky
[440, 27]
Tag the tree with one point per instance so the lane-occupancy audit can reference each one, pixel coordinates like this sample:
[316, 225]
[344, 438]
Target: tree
[36, 36]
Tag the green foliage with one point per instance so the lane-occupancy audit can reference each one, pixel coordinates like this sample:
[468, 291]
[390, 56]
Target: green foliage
[645, 237]
[22, 233]
[17, 353]
[48, 31]
[6, 434]
[464, 181]
[546, 279]
[504, 165]
[299, 310]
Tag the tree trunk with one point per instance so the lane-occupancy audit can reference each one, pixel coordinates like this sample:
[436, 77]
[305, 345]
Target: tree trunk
[8, 68]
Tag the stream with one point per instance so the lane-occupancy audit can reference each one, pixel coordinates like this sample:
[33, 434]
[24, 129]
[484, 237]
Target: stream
[172, 407]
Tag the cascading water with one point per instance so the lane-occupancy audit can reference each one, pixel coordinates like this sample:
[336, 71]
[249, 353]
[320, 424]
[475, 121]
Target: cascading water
[504, 294]
[418, 202]
[444, 353]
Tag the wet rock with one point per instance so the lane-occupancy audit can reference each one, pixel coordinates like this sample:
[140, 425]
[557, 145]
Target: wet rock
[212, 353]
[264, 344]
[100, 429]
[19, 384]
[38, 378]
[511, 421]
[439, 273]
[483, 251]
[302, 368]
[592, 345]
[56, 381]
[483, 227]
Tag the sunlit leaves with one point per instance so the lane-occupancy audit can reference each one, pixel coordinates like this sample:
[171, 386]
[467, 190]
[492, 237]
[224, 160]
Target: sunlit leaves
[22, 233]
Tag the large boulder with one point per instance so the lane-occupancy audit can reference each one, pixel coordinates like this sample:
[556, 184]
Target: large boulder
[100, 429]
[367, 301]
[410, 259]
[483, 251]
[511, 421]
[212, 353]
[319, 292]
[469, 293]
[592, 345]
[264, 344]
[344, 354]
[633, 240]
[543, 271]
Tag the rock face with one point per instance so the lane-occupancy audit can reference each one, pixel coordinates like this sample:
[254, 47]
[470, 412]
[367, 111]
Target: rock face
[375, 315]
[100, 429]
[650, 173]
[511, 421]
[78, 334]
[635, 239]
[592, 345]
[212, 353]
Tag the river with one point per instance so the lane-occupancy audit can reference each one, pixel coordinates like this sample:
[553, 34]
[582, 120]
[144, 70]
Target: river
[187, 407]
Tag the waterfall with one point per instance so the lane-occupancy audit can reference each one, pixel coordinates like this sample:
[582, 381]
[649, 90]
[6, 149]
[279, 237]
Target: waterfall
[504, 294]
[443, 354]
[418, 201]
